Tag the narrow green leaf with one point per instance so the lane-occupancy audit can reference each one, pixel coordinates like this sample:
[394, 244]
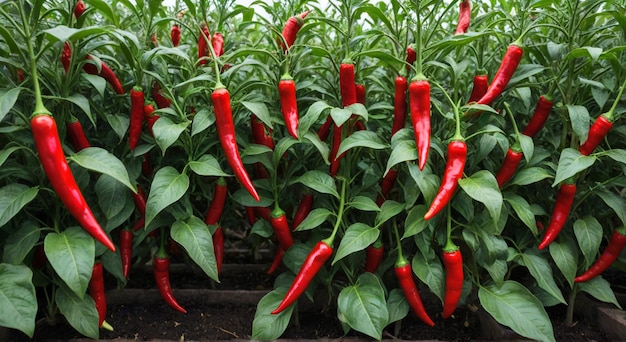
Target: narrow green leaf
[357, 237]
[312, 116]
[321, 146]
[388, 210]
[7, 101]
[579, 118]
[523, 210]
[193, 234]
[588, 233]
[168, 186]
[415, 223]
[600, 289]
[540, 269]
[530, 175]
[565, 257]
[615, 202]
[71, 253]
[4, 154]
[17, 298]
[364, 203]
[363, 307]
[314, 219]
[100, 160]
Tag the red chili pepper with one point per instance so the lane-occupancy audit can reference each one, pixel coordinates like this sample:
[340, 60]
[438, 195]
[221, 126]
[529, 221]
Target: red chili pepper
[503, 75]
[140, 199]
[411, 56]
[105, 72]
[288, 104]
[96, 291]
[419, 101]
[46, 136]
[312, 264]
[360, 93]
[597, 132]
[203, 47]
[348, 97]
[404, 273]
[278, 220]
[157, 95]
[150, 117]
[263, 212]
[136, 116]
[250, 215]
[607, 258]
[217, 203]
[260, 134]
[399, 104]
[218, 248]
[457, 153]
[76, 134]
[465, 14]
[304, 208]
[175, 35]
[479, 88]
[162, 278]
[324, 130]
[509, 166]
[20, 75]
[374, 255]
[564, 200]
[218, 44]
[290, 31]
[453, 262]
[79, 8]
[126, 246]
[385, 186]
[278, 258]
[66, 56]
[542, 111]
[226, 133]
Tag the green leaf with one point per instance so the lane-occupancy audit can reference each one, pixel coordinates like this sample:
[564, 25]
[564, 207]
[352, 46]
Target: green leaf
[17, 298]
[20, 243]
[540, 269]
[260, 110]
[266, 326]
[415, 223]
[430, 272]
[619, 155]
[483, 187]
[319, 181]
[388, 210]
[71, 253]
[281, 148]
[357, 237]
[513, 305]
[193, 234]
[168, 186]
[321, 146]
[363, 307]
[571, 163]
[405, 150]
[600, 289]
[579, 117]
[311, 116]
[565, 257]
[207, 165]
[7, 101]
[362, 139]
[4, 154]
[523, 210]
[397, 306]
[314, 219]
[201, 121]
[100, 160]
[340, 115]
[80, 313]
[166, 132]
[615, 202]
[588, 233]
[530, 175]
[112, 196]
[13, 198]
[82, 102]
[363, 203]
[528, 147]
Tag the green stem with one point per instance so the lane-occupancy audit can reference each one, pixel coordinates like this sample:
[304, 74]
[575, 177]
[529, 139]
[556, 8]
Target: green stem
[39, 106]
[509, 113]
[609, 114]
[342, 203]
[449, 246]
[401, 260]
[418, 52]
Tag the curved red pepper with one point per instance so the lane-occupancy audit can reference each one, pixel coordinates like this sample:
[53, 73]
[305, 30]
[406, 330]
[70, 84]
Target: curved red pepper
[96, 291]
[453, 263]
[411, 56]
[175, 35]
[304, 208]
[612, 251]
[399, 104]
[157, 96]
[374, 256]
[214, 213]
[348, 97]
[324, 129]
[457, 154]
[540, 115]
[419, 102]
[150, 117]
[226, 133]
[404, 273]
[360, 93]
[126, 246]
[509, 63]
[161, 270]
[278, 220]
[278, 258]
[385, 186]
[288, 104]
[465, 14]
[564, 200]
[312, 264]
[140, 199]
[105, 72]
[479, 88]
[46, 136]
[290, 31]
[218, 44]
[597, 132]
[203, 38]
[76, 134]
[509, 166]
[136, 116]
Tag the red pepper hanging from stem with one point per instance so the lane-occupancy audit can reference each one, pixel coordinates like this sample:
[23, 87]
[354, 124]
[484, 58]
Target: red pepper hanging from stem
[348, 97]
[480, 86]
[76, 134]
[419, 101]
[279, 223]
[161, 263]
[136, 116]
[304, 208]
[612, 251]
[175, 35]
[203, 40]
[288, 104]
[563, 204]
[291, 29]
[509, 63]
[218, 44]
[465, 15]
[216, 208]
[453, 263]
[96, 291]
[374, 255]
[105, 72]
[540, 115]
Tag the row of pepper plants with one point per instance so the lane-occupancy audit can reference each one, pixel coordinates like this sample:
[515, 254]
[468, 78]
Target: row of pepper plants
[384, 150]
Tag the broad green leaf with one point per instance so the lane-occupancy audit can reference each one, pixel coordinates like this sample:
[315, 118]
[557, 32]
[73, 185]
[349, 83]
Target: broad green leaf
[600, 289]
[497, 270]
[4, 154]
[166, 132]
[194, 235]
[427, 182]
[13, 198]
[318, 181]
[112, 196]
[82, 102]
[17, 298]
[430, 272]
[20, 243]
[615, 202]
[340, 115]
[530, 175]
[363, 307]
[415, 223]
[112, 262]
[565, 257]
[118, 123]
[311, 116]
[571, 163]
[364, 203]
[314, 219]
[357, 237]
[619, 155]
[321, 146]
[540, 269]
[523, 210]
[588, 233]
[266, 326]
[513, 305]
[528, 147]
[405, 150]
[483, 187]
[7, 101]
[281, 148]
[201, 121]
[64, 33]
[207, 165]
[71, 253]
[262, 228]
[260, 110]
[243, 197]
[80, 313]
[168, 186]
[100, 160]
[388, 210]
[579, 118]
[362, 139]
[397, 306]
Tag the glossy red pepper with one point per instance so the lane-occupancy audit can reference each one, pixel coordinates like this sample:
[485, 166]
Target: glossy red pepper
[304, 208]
[278, 220]
[419, 102]
[312, 264]
[563, 204]
[399, 104]
[374, 255]
[324, 129]
[540, 115]
[218, 44]
[290, 31]
[136, 116]
[226, 133]
[348, 97]
[216, 208]
[50, 149]
[175, 35]
[509, 63]
[465, 14]
[509, 166]
[479, 88]
[161, 263]
[404, 273]
[157, 96]
[457, 154]
[203, 39]
[79, 8]
[140, 199]
[597, 132]
[360, 93]
[411, 56]
[612, 251]
[150, 117]
[288, 104]
[105, 72]
[453, 263]
[126, 246]
[260, 134]
[96, 291]
[278, 258]
[385, 186]
[76, 134]
[66, 56]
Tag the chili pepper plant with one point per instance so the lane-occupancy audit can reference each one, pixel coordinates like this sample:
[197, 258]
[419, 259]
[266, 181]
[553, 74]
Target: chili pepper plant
[122, 124]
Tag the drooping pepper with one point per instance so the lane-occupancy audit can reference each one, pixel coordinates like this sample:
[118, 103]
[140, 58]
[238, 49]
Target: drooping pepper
[399, 104]
[348, 97]
[161, 263]
[278, 258]
[612, 251]
[136, 116]
[105, 72]
[404, 273]
[288, 104]
[374, 255]
[157, 96]
[509, 63]
[66, 56]
[457, 154]
[360, 93]
[76, 134]
[540, 115]
[480, 86]
[290, 31]
[175, 35]
[150, 117]
[278, 221]
[214, 213]
[79, 8]
[511, 161]
[385, 186]
[218, 44]
[96, 291]
[304, 208]
[453, 263]
[203, 38]
[563, 204]
[411, 56]
[419, 102]
[465, 14]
